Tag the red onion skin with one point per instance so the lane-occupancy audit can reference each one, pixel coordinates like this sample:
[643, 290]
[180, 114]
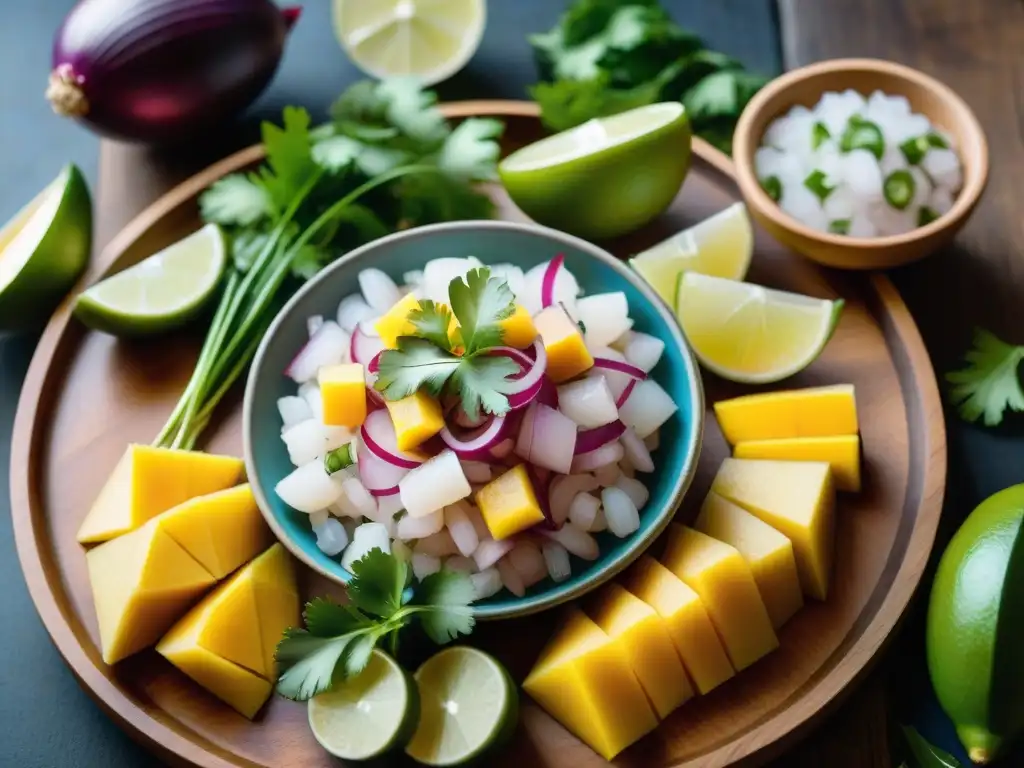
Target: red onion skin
[158, 71]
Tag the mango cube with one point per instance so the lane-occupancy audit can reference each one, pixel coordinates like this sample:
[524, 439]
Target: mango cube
[395, 322]
[687, 620]
[343, 393]
[518, 330]
[648, 645]
[796, 498]
[141, 583]
[584, 680]
[416, 418]
[567, 353]
[842, 452]
[722, 578]
[768, 553]
[811, 412]
[508, 504]
[148, 481]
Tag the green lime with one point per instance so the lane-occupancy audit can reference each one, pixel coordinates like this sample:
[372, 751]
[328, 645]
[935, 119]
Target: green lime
[469, 706]
[43, 250]
[160, 293]
[606, 177]
[976, 626]
[367, 715]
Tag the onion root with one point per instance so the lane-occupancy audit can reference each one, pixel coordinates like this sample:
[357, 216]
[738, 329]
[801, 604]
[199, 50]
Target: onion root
[65, 94]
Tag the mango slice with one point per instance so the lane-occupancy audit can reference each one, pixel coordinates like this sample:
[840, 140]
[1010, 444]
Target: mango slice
[811, 412]
[842, 452]
[518, 330]
[343, 394]
[567, 353]
[417, 418]
[508, 504]
[395, 322]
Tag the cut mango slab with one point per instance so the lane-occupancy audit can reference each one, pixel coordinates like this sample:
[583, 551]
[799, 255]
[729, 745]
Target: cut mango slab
[141, 583]
[722, 578]
[395, 322]
[343, 394]
[811, 412]
[648, 645]
[796, 498]
[584, 680]
[518, 330]
[768, 553]
[148, 481]
[278, 605]
[508, 504]
[842, 452]
[416, 418]
[567, 353]
[221, 530]
[687, 620]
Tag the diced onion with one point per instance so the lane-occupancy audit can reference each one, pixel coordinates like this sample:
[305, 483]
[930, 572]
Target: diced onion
[588, 402]
[636, 490]
[410, 527]
[486, 583]
[607, 475]
[352, 311]
[490, 552]
[424, 565]
[647, 408]
[526, 558]
[439, 544]
[294, 410]
[460, 563]
[364, 346]
[314, 323]
[309, 488]
[461, 529]
[563, 489]
[605, 317]
[477, 471]
[434, 484]
[331, 537]
[510, 577]
[644, 351]
[327, 346]
[637, 452]
[579, 543]
[556, 558]
[620, 512]
[583, 511]
[365, 538]
[377, 474]
[379, 290]
[611, 453]
[311, 438]
[547, 438]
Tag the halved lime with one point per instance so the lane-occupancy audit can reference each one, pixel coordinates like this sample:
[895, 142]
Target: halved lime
[721, 246]
[369, 714]
[750, 333]
[160, 293]
[469, 705]
[43, 250]
[606, 177]
[430, 40]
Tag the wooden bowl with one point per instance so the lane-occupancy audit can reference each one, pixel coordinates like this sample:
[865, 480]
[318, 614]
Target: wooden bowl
[927, 96]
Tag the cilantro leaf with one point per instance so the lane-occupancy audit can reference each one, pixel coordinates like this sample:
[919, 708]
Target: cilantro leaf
[336, 152]
[357, 654]
[988, 385]
[308, 260]
[481, 302]
[723, 93]
[482, 382]
[428, 198]
[416, 364]
[567, 103]
[289, 157]
[307, 662]
[326, 618]
[446, 614]
[246, 246]
[471, 150]
[432, 322]
[235, 199]
[412, 109]
[378, 581]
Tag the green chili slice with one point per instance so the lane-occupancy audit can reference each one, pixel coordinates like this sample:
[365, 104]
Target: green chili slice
[862, 134]
[899, 188]
[926, 216]
[915, 149]
[819, 135]
[839, 226]
[773, 186]
[815, 182]
[339, 459]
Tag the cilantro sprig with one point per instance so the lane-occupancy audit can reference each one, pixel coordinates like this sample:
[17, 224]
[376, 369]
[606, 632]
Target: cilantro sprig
[428, 360]
[338, 639]
[989, 384]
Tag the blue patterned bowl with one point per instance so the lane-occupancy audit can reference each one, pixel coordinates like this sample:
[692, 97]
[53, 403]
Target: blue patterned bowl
[492, 242]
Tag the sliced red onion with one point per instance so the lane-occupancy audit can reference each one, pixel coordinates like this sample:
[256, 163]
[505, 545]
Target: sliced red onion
[611, 453]
[325, 347]
[535, 374]
[548, 394]
[378, 433]
[625, 394]
[517, 355]
[523, 399]
[376, 473]
[592, 439]
[374, 365]
[547, 286]
[364, 347]
[374, 399]
[392, 491]
[479, 445]
[462, 418]
[619, 367]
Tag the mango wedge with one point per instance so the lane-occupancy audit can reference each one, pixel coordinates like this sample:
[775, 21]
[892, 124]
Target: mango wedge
[584, 680]
[811, 412]
[687, 620]
[768, 553]
[148, 481]
[796, 498]
[842, 452]
[649, 647]
[722, 578]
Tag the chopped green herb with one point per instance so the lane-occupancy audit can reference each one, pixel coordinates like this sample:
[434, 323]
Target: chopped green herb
[988, 385]
[926, 216]
[432, 322]
[772, 185]
[819, 135]
[899, 188]
[339, 459]
[816, 182]
[862, 134]
[839, 226]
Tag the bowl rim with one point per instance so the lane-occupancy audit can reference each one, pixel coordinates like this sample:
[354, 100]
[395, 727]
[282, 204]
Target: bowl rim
[745, 144]
[557, 595]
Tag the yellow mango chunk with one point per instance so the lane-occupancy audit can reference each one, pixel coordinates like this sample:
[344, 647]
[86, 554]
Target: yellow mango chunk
[842, 452]
[395, 322]
[768, 553]
[687, 619]
[722, 579]
[584, 680]
[518, 330]
[141, 584]
[811, 412]
[649, 647]
[148, 481]
[278, 605]
[220, 530]
[796, 498]
[567, 353]
[343, 394]
[416, 418]
[508, 503]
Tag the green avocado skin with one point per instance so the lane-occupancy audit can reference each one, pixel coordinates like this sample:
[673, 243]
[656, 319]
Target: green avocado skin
[59, 259]
[975, 631]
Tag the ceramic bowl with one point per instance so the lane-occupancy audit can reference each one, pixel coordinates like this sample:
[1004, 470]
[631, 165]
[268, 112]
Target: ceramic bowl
[492, 242]
[804, 86]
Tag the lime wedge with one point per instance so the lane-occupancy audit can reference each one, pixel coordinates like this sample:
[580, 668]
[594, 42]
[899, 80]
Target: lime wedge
[43, 250]
[163, 292]
[367, 715]
[469, 705]
[749, 333]
[721, 246]
[606, 177]
[430, 40]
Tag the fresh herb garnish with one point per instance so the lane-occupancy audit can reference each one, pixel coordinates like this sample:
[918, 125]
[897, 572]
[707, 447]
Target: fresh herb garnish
[338, 639]
[988, 385]
[817, 182]
[772, 185]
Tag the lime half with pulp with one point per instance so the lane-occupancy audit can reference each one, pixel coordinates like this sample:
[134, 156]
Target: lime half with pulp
[469, 705]
[606, 177]
[749, 333]
[367, 715]
[160, 293]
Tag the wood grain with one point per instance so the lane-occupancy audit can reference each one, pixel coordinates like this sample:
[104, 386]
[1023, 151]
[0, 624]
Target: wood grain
[98, 394]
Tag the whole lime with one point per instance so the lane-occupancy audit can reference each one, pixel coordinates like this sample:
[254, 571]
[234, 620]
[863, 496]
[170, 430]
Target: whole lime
[975, 636]
[606, 177]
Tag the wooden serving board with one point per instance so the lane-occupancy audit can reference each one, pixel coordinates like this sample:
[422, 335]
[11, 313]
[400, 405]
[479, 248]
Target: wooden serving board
[87, 395]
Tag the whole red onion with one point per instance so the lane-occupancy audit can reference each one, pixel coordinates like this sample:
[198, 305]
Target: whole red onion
[159, 70]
